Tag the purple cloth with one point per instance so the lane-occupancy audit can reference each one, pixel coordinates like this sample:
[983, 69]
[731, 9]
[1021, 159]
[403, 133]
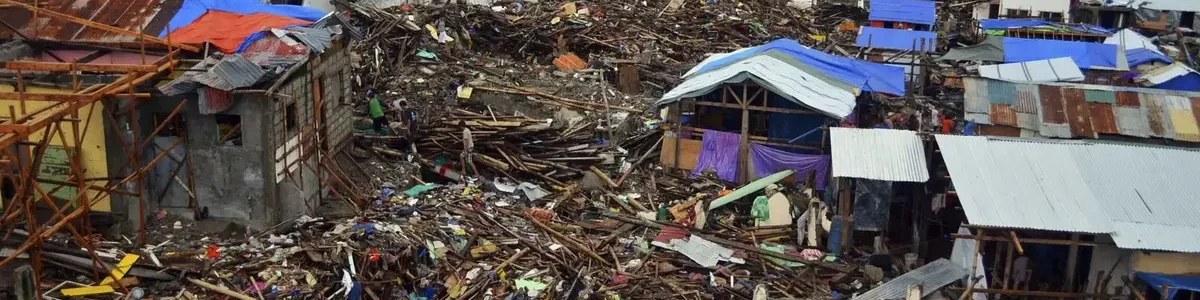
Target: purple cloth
[719, 151]
[769, 160]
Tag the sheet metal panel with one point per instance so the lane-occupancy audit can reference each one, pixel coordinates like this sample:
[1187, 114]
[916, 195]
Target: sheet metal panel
[1131, 121]
[932, 277]
[879, 154]
[1052, 105]
[1003, 114]
[1000, 92]
[975, 95]
[777, 76]
[1157, 114]
[1024, 184]
[1099, 96]
[1027, 121]
[1103, 118]
[1027, 98]
[1079, 115]
[1183, 121]
[1128, 99]
[1157, 208]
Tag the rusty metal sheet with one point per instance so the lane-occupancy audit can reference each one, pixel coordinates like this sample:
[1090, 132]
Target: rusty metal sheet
[1079, 115]
[1103, 119]
[1052, 105]
[1027, 121]
[1002, 114]
[1128, 99]
[1157, 115]
[1027, 98]
[146, 16]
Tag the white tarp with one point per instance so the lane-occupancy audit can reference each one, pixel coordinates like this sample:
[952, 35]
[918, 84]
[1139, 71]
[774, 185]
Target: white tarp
[775, 75]
[1049, 70]
[1164, 74]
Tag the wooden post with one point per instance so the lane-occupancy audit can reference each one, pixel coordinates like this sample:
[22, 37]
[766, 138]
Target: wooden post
[678, 116]
[1008, 266]
[744, 148]
[1072, 260]
[1166, 288]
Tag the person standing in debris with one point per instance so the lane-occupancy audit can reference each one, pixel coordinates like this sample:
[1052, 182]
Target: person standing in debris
[409, 117]
[378, 120]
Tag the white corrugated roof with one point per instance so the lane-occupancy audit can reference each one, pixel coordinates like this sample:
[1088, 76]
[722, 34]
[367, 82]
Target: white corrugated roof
[1048, 70]
[880, 154]
[775, 75]
[1132, 40]
[1144, 197]
[1160, 75]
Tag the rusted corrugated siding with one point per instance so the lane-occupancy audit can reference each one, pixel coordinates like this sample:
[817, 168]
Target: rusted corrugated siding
[1052, 105]
[1128, 99]
[1079, 115]
[1027, 98]
[1002, 114]
[146, 16]
[1103, 120]
[1157, 115]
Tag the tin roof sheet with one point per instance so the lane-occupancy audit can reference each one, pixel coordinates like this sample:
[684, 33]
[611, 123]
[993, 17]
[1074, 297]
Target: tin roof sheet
[145, 16]
[911, 11]
[1047, 70]
[1078, 186]
[879, 154]
[931, 276]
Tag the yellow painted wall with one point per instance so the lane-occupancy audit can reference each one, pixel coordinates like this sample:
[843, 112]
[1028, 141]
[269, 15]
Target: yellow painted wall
[93, 149]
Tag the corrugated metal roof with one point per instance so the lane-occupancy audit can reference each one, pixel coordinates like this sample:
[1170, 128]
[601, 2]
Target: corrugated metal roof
[317, 39]
[146, 16]
[1049, 70]
[337, 19]
[932, 277]
[975, 96]
[1021, 185]
[776, 75]
[1131, 121]
[1144, 196]
[238, 71]
[1163, 74]
[879, 154]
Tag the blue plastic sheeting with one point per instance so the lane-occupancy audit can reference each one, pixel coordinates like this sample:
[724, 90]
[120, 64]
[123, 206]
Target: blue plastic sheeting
[897, 39]
[1174, 283]
[911, 11]
[1085, 55]
[193, 9]
[867, 76]
[988, 24]
[1189, 82]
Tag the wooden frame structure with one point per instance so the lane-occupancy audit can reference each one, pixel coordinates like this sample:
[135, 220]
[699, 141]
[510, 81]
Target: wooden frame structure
[23, 157]
[745, 101]
[1016, 245]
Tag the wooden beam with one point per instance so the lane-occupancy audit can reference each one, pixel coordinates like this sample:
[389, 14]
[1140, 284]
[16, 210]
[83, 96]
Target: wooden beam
[62, 97]
[757, 108]
[67, 67]
[105, 27]
[1016, 242]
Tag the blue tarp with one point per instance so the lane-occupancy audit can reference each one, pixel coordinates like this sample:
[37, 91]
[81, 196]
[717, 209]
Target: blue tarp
[911, 11]
[193, 9]
[897, 39]
[988, 24]
[1189, 82]
[868, 76]
[1174, 282]
[1086, 55]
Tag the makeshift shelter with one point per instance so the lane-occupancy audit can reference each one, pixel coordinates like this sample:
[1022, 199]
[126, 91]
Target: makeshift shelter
[762, 109]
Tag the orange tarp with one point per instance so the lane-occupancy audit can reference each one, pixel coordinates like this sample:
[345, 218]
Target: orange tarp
[226, 31]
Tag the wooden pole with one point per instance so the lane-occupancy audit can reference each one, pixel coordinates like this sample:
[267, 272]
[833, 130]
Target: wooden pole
[844, 209]
[1008, 262]
[1072, 261]
[744, 148]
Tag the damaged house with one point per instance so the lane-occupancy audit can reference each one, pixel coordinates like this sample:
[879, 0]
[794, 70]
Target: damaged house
[245, 125]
